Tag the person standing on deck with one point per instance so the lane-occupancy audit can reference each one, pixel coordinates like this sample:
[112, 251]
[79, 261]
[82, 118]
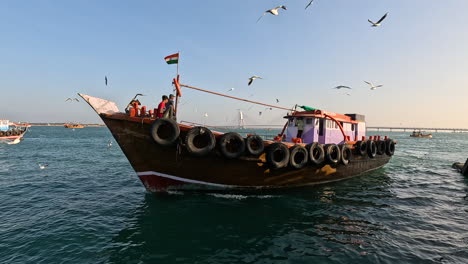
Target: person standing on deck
[300, 127]
[169, 112]
[162, 106]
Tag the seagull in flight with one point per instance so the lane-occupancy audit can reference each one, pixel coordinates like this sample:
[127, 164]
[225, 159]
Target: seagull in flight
[105, 80]
[260, 113]
[378, 22]
[232, 89]
[205, 115]
[372, 86]
[342, 87]
[277, 101]
[268, 108]
[43, 166]
[253, 78]
[309, 4]
[273, 11]
[72, 99]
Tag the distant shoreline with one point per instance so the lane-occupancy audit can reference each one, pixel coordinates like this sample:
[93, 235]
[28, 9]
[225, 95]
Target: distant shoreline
[62, 124]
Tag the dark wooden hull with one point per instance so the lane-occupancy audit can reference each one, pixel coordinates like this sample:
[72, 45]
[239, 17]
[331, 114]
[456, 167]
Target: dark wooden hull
[162, 168]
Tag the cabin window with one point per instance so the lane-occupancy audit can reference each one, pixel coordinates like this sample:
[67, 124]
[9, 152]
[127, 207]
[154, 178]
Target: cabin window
[291, 122]
[316, 121]
[321, 126]
[309, 121]
[353, 127]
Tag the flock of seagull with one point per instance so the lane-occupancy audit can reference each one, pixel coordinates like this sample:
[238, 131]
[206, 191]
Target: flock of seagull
[275, 12]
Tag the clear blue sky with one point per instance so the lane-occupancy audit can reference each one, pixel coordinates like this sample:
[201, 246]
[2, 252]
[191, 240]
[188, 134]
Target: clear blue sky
[50, 50]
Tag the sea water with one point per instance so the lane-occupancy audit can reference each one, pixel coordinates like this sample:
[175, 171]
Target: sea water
[88, 206]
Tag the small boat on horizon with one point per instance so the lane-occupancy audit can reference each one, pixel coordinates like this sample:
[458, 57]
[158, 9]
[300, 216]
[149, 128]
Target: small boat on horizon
[314, 147]
[12, 133]
[420, 134]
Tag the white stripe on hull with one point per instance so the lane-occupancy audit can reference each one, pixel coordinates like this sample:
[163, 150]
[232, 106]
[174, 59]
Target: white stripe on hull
[145, 173]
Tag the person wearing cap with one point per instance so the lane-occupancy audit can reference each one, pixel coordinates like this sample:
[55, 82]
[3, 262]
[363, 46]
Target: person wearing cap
[170, 108]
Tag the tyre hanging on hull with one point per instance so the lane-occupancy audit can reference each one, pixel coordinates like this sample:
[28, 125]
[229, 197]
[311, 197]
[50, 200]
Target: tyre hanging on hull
[164, 131]
[231, 145]
[361, 147]
[277, 155]
[371, 149]
[332, 154]
[316, 153]
[381, 147]
[390, 147]
[200, 141]
[346, 154]
[254, 145]
[298, 157]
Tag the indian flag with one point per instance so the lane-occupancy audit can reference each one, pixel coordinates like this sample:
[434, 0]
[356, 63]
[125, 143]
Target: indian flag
[172, 59]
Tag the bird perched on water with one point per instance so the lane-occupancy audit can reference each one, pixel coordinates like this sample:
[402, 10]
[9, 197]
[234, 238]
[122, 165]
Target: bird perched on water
[43, 166]
[309, 4]
[342, 87]
[372, 86]
[109, 144]
[376, 24]
[253, 78]
[232, 89]
[273, 11]
[105, 80]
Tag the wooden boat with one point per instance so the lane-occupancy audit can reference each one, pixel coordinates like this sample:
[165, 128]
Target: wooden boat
[170, 155]
[420, 134]
[71, 125]
[12, 133]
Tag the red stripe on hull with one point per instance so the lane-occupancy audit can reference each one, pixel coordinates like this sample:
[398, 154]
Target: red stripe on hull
[155, 183]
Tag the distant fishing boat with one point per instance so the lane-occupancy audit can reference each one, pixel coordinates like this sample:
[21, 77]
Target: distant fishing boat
[420, 134]
[73, 125]
[12, 133]
[170, 155]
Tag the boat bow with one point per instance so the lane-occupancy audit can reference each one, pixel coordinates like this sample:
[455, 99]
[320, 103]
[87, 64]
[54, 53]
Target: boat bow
[99, 105]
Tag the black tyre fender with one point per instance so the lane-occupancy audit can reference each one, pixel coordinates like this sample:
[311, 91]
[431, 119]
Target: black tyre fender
[361, 147]
[390, 147]
[332, 154]
[8, 133]
[277, 155]
[316, 153]
[381, 147]
[200, 141]
[346, 154]
[164, 131]
[371, 149]
[298, 157]
[231, 145]
[2, 133]
[254, 145]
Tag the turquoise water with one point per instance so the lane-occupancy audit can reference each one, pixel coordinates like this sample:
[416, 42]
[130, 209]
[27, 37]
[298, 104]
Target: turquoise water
[88, 206]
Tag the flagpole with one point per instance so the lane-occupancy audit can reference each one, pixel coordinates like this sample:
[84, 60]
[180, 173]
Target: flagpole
[177, 77]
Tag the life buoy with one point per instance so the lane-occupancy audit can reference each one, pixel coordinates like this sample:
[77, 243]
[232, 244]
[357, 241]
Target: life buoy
[346, 154]
[277, 155]
[164, 131]
[371, 149]
[332, 154]
[231, 145]
[298, 157]
[254, 145]
[381, 147]
[200, 141]
[316, 153]
[390, 147]
[361, 147]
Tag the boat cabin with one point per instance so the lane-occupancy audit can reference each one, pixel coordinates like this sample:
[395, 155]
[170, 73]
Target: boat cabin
[325, 127]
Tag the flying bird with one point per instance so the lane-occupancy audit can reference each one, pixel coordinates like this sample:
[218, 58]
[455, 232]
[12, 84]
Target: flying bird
[342, 87]
[109, 144]
[205, 115]
[378, 22]
[277, 101]
[348, 94]
[72, 99]
[260, 113]
[273, 11]
[268, 108]
[232, 89]
[372, 86]
[43, 166]
[253, 78]
[309, 4]
[76, 99]
[105, 80]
